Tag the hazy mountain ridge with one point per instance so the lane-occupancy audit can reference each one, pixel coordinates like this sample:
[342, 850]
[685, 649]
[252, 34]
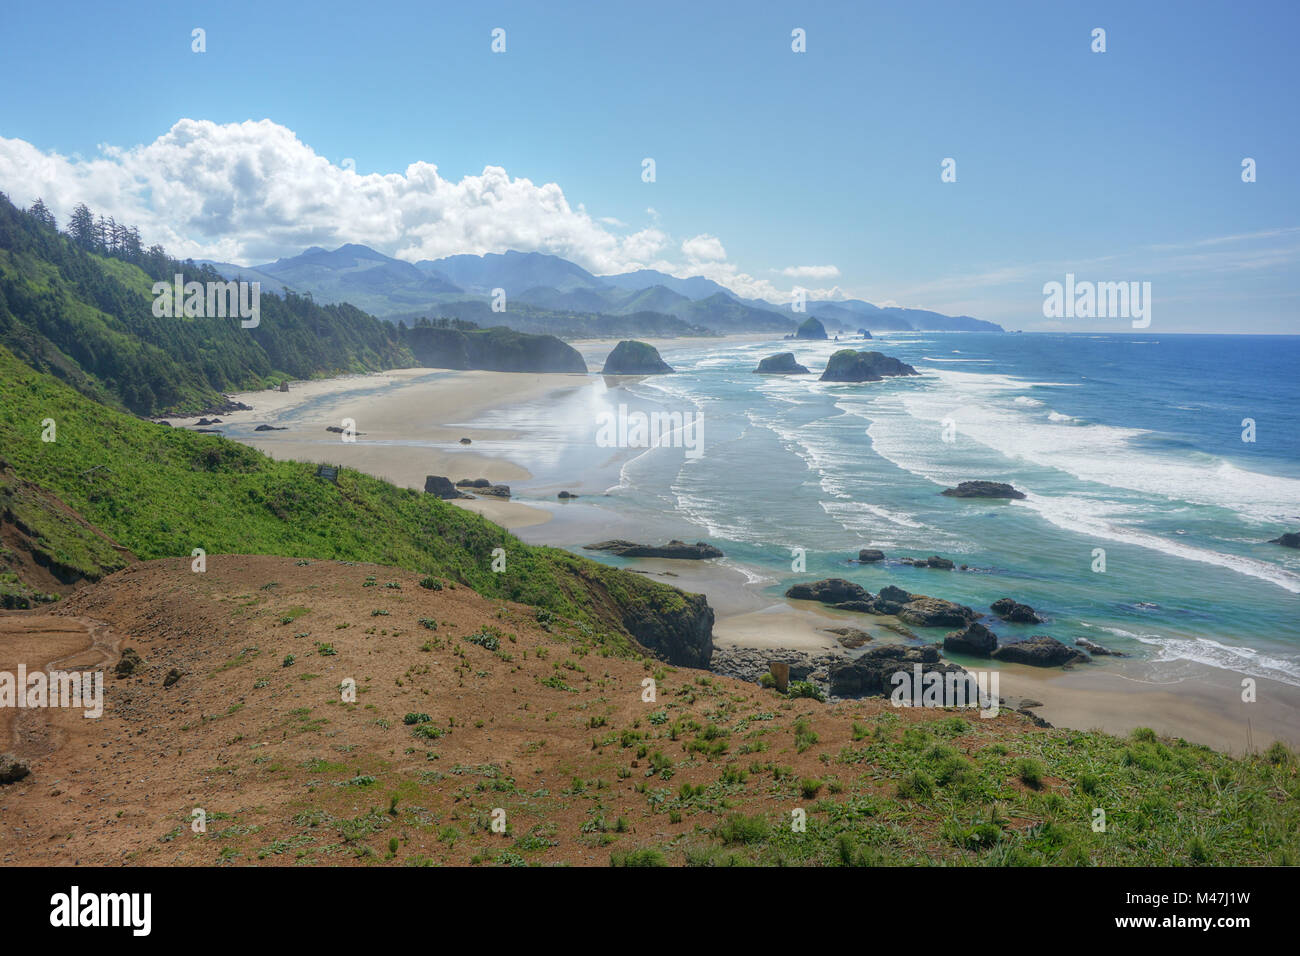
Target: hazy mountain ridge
[549, 293]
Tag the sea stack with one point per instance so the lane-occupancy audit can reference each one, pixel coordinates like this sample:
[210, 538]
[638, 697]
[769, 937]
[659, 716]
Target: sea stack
[635, 358]
[983, 489]
[849, 365]
[811, 329]
[782, 363]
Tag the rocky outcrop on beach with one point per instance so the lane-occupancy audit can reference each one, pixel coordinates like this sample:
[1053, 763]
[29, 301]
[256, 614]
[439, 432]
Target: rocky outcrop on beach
[1289, 539]
[934, 561]
[1039, 651]
[782, 363]
[811, 329]
[441, 486]
[975, 639]
[751, 663]
[919, 610]
[923, 611]
[673, 549]
[635, 358]
[1095, 649]
[983, 489]
[871, 674]
[566, 495]
[868, 555]
[833, 591]
[850, 638]
[484, 487]
[1015, 612]
[850, 365]
[268, 428]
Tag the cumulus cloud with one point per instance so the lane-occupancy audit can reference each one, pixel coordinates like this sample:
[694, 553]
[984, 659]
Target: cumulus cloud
[704, 248]
[253, 191]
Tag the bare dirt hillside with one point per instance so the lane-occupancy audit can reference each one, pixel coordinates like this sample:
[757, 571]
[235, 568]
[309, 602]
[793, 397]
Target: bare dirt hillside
[464, 707]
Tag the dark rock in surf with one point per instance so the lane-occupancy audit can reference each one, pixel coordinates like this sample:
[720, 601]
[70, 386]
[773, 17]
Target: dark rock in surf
[1015, 612]
[1095, 649]
[923, 611]
[782, 363]
[1039, 651]
[811, 329]
[976, 640]
[635, 358]
[983, 489]
[934, 561]
[673, 549]
[830, 591]
[849, 365]
[868, 555]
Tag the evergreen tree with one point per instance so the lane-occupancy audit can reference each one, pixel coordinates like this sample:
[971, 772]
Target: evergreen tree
[41, 213]
[81, 227]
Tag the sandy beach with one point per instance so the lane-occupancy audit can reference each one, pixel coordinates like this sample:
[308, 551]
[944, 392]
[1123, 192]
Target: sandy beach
[406, 427]
[409, 425]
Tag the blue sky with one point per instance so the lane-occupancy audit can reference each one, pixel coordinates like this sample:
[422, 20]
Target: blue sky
[1117, 166]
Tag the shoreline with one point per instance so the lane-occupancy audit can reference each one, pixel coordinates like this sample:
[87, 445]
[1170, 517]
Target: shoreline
[410, 421]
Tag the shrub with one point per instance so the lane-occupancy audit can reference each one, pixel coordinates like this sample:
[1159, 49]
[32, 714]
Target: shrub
[644, 857]
[739, 828]
[1030, 772]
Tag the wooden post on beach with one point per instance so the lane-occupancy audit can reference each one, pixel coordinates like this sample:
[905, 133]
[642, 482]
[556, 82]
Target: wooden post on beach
[781, 671]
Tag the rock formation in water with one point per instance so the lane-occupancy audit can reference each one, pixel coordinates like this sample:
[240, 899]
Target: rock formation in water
[673, 549]
[1015, 612]
[850, 365]
[1039, 651]
[983, 489]
[782, 363]
[811, 329]
[635, 358]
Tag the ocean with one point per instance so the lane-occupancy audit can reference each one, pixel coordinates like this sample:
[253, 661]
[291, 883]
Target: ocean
[1131, 445]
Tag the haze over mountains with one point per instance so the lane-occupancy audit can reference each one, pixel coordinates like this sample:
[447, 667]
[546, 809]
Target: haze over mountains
[549, 293]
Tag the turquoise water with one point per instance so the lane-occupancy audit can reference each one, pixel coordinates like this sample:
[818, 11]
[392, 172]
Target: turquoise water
[1127, 443]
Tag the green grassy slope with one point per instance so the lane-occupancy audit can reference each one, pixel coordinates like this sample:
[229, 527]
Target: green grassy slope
[164, 492]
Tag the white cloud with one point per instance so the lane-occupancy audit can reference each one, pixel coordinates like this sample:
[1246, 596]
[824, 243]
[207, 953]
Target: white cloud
[251, 192]
[704, 248]
[811, 272]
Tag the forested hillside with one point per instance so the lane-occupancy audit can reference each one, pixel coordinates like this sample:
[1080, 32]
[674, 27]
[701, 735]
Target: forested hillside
[79, 304]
